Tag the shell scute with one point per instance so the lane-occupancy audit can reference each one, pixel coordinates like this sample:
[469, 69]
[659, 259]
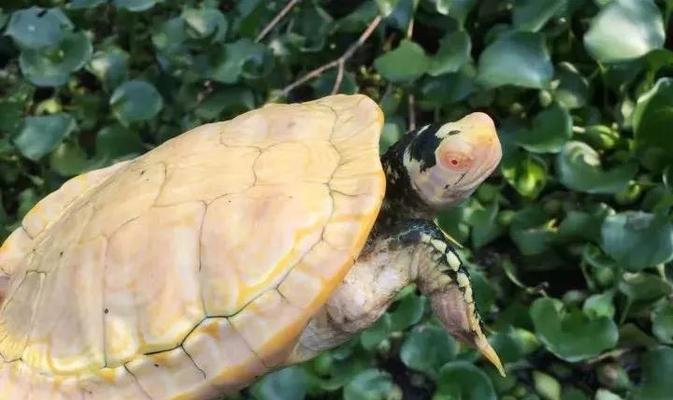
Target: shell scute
[207, 256]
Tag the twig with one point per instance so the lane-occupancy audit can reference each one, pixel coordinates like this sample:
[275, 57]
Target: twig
[412, 112]
[335, 63]
[411, 98]
[339, 77]
[276, 19]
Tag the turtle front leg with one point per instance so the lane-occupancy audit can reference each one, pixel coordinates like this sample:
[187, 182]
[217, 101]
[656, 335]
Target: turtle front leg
[418, 252]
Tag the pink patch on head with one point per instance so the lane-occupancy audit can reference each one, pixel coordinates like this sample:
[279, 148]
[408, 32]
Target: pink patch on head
[455, 160]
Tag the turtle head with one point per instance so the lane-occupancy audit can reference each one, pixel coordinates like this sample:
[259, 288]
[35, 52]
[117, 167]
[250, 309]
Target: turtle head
[445, 163]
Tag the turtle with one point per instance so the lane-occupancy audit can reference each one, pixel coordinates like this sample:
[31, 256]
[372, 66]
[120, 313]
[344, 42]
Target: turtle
[234, 249]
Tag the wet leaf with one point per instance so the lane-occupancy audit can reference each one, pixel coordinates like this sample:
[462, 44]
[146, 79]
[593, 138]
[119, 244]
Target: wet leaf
[519, 59]
[406, 63]
[570, 334]
[637, 240]
[40, 135]
[36, 27]
[579, 168]
[135, 101]
[624, 30]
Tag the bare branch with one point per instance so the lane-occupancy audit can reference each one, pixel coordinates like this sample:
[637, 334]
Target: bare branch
[276, 19]
[412, 112]
[411, 99]
[339, 77]
[339, 62]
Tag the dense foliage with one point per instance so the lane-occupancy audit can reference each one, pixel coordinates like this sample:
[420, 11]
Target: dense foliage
[569, 244]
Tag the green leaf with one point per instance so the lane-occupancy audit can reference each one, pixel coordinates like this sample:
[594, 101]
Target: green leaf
[135, 5]
[371, 384]
[135, 100]
[205, 23]
[546, 386]
[652, 120]
[68, 159]
[42, 134]
[446, 89]
[643, 287]
[231, 65]
[288, 383]
[526, 173]
[461, 380]
[12, 113]
[110, 66]
[530, 230]
[36, 27]
[115, 141]
[375, 334]
[552, 128]
[599, 305]
[408, 311]
[440, 6]
[657, 371]
[624, 30]
[81, 4]
[662, 322]
[53, 66]
[571, 335]
[454, 52]
[227, 101]
[386, 7]
[579, 168]
[531, 15]
[461, 8]
[573, 89]
[637, 240]
[519, 59]
[426, 348]
[406, 63]
[485, 227]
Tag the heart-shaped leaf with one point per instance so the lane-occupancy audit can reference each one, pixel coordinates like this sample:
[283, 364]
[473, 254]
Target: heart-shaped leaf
[579, 168]
[53, 66]
[573, 88]
[519, 59]
[406, 63]
[531, 15]
[134, 101]
[454, 52]
[571, 334]
[42, 134]
[461, 380]
[110, 66]
[637, 240]
[652, 121]
[426, 348]
[36, 27]
[134, 5]
[288, 383]
[526, 173]
[657, 371]
[371, 384]
[240, 59]
[68, 159]
[204, 23]
[115, 141]
[662, 322]
[624, 30]
[551, 129]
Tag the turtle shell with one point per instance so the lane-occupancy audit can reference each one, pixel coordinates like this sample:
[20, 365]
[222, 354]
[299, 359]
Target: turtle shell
[191, 270]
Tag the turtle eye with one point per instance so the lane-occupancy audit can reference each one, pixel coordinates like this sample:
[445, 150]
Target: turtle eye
[455, 160]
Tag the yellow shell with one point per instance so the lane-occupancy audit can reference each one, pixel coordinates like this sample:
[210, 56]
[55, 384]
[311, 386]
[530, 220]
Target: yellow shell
[189, 271]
